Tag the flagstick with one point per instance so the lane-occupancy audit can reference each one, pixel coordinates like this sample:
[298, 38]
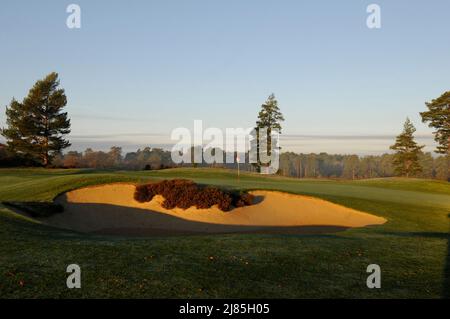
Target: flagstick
[237, 160]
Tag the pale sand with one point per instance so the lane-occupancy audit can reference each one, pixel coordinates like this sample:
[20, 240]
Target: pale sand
[111, 209]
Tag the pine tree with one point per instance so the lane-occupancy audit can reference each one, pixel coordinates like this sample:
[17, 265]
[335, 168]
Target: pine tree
[438, 116]
[270, 115]
[269, 118]
[406, 158]
[35, 127]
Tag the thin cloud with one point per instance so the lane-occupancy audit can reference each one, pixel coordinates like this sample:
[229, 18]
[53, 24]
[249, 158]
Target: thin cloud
[110, 118]
[352, 137]
[116, 135]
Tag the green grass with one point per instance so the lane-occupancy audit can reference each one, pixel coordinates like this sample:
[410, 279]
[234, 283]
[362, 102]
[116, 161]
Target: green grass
[412, 248]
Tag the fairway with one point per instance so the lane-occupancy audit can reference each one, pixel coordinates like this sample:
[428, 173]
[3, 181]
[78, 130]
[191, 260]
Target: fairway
[412, 248]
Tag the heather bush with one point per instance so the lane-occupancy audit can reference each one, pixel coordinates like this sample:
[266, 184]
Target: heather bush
[244, 199]
[141, 194]
[183, 194]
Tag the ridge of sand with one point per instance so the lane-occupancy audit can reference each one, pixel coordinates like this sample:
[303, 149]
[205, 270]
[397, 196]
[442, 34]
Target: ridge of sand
[111, 209]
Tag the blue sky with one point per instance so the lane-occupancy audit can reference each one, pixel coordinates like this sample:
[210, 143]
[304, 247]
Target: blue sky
[138, 69]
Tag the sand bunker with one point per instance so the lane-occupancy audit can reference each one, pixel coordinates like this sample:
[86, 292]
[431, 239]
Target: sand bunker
[111, 209]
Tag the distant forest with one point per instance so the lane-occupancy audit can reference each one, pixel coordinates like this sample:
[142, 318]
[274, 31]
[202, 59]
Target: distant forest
[321, 165]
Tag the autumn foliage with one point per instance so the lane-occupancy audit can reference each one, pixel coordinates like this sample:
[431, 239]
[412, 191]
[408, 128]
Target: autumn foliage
[183, 194]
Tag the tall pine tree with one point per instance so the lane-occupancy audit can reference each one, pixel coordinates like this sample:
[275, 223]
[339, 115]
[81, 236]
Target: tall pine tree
[269, 118]
[406, 158]
[270, 115]
[36, 127]
[438, 117]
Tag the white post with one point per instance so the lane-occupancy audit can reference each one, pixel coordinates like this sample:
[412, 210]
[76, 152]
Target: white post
[237, 160]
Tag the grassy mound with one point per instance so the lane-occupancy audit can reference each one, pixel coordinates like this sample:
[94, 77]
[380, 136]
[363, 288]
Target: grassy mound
[184, 193]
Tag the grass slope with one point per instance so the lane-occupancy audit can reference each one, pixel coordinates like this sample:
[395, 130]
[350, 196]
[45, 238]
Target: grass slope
[412, 248]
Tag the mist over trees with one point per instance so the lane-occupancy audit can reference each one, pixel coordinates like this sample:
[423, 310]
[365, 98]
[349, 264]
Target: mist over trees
[295, 165]
[325, 165]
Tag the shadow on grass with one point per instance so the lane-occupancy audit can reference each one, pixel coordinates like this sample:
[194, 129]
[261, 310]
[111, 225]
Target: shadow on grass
[436, 235]
[446, 284]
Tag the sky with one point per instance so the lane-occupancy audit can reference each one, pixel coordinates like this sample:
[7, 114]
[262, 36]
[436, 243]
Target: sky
[136, 70]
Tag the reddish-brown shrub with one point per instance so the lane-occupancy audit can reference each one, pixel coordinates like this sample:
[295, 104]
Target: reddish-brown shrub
[185, 193]
[245, 199]
[141, 194]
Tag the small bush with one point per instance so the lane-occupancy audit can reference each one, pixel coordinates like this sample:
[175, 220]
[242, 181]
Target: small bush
[141, 194]
[183, 194]
[244, 199]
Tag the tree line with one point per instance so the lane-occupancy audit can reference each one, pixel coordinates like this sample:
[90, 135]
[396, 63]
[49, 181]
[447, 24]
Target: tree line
[325, 165]
[295, 165]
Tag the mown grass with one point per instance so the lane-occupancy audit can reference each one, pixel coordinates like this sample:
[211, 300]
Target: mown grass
[412, 248]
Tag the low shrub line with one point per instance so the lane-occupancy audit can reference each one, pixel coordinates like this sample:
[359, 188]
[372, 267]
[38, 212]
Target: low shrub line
[184, 193]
